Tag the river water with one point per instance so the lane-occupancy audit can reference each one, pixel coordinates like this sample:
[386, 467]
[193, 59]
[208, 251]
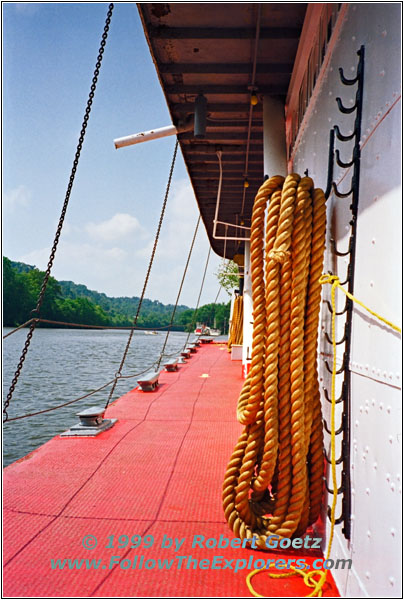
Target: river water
[63, 364]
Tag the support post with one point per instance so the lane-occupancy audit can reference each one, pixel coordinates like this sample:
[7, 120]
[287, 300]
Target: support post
[274, 137]
[247, 313]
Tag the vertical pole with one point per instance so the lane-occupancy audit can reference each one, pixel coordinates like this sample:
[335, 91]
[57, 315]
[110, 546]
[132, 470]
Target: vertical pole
[274, 137]
[274, 164]
[247, 312]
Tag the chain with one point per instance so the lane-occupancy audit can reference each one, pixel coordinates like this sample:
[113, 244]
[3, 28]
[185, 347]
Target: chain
[63, 213]
[199, 297]
[118, 375]
[84, 326]
[179, 293]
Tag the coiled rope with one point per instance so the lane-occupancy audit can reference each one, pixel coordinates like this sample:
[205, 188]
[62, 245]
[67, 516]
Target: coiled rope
[273, 483]
[316, 578]
[236, 329]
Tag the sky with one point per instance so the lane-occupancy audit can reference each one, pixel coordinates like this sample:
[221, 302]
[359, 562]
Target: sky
[49, 55]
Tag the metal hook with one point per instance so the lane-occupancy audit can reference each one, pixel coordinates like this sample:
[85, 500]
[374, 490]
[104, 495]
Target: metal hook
[341, 194]
[342, 164]
[327, 302]
[343, 108]
[337, 432]
[330, 175]
[341, 396]
[336, 521]
[329, 340]
[345, 80]
[334, 247]
[341, 137]
[339, 490]
[348, 275]
[339, 371]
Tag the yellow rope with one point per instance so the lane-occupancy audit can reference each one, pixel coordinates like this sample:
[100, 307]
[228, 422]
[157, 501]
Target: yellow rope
[335, 282]
[236, 329]
[309, 577]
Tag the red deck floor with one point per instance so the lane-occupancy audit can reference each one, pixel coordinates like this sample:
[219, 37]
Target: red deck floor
[158, 472]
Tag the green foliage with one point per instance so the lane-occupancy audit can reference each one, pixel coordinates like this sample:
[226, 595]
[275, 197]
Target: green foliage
[21, 267]
[17, 296]
[123, 307]
[75, 303]
[227, 275]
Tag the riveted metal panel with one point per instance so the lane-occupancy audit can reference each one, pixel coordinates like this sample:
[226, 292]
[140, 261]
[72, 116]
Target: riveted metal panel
[376, 350]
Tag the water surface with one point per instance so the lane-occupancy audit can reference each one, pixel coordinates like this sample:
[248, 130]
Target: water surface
[63, 364]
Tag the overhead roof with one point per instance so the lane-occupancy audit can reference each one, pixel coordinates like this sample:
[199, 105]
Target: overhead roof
[225, 51]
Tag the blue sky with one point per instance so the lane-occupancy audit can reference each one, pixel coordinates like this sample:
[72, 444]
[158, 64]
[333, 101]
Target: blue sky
[49, 54]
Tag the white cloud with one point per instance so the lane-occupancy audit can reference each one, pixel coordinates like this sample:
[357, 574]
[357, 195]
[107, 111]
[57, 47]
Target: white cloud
[18, 197]
[115, 254]
[27, 8]
[116, 228]
[172, 251]
[81, 263]
[182, 215]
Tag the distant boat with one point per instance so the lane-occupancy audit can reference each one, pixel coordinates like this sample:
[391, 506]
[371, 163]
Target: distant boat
[204, 330]
[151, 333]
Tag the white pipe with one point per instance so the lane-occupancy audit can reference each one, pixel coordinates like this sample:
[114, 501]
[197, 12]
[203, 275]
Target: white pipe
[232, 225]
[219, 192]
[154, 134]
[215, 220]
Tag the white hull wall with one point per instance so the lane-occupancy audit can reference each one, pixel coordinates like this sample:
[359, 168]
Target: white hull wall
[375, 362]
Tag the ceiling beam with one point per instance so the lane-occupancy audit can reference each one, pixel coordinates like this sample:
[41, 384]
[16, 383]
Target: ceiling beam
[222, 33]
[202, 191]
[224, 135]
[228, 149]
[238, 124]
[200, 181]
[225, 107]
[255, 158]
[180, 88]
[252, 177]
[224, 68]
[212, 171]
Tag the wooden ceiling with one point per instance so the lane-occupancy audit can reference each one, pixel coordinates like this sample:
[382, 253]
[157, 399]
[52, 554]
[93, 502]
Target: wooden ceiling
[212, 49]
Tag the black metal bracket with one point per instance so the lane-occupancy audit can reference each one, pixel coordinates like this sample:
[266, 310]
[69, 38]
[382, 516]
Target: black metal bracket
[332, 188]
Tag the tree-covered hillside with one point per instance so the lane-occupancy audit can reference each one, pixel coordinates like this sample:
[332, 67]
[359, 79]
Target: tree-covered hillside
[75, 303]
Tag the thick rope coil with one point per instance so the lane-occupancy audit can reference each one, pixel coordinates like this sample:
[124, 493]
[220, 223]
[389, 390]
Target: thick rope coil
[236, 329]
[258, 297]
[316, 578]
[273, 483]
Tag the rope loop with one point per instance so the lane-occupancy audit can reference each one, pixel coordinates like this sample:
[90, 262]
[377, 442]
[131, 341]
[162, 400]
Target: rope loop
[274, 480]
[335, 282]
[279, 256]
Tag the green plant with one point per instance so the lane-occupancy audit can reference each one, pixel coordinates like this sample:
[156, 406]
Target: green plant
[228, 276]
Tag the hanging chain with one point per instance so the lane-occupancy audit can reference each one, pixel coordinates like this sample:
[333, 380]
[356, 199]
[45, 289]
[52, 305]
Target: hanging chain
[118, 374]
[36, 310]
[199, 297]
[179, 294]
